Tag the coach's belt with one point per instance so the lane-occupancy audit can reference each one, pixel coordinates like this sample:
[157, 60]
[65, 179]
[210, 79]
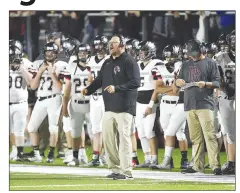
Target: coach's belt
[170, 102]
[81, 102]
[47, 97]
[17, 102]
[97, 94]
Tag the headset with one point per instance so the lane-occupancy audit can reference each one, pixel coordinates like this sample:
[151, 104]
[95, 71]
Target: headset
[122, 40]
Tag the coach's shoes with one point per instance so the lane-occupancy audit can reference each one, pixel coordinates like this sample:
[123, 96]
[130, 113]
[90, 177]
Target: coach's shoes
[35, 157]
[122, 177]
[74, 162]
[217, 171]
[112, 175]
[189, 170]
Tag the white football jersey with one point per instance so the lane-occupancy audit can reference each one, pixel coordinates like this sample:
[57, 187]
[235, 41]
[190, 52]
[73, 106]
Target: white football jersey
[95, 67]
[165, 75]
[17, 84]
[79, 80]
[46, 87]
[147, 79]
[228, 68]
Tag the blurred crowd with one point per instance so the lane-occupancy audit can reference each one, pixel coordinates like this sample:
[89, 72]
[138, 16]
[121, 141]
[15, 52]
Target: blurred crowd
[161, 27]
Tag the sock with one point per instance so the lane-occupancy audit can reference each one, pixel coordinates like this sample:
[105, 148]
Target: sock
[75, 154]
[82, 151]
[134, 154]
[145, 145]
[184, 155]
[147, 158]
[153, 158]
[168, 151]
[52, 149]
[20, 150]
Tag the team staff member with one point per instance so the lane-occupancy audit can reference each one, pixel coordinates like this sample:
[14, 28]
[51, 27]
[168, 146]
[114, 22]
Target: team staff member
[119, 78]
[199, 104]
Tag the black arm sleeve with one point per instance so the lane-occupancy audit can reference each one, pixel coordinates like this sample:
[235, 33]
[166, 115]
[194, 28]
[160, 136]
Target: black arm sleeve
[133, 74]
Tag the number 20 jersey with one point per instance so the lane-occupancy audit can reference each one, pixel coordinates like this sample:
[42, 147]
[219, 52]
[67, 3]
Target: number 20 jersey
[79, 80]
[46, 87]
[17, 84]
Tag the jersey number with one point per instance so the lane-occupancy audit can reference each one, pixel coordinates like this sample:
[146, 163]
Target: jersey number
[78, 83]
[142, 81]
[18, 82]
[48, 79]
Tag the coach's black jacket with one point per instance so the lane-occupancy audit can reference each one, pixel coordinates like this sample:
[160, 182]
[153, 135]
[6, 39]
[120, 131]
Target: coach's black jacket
[123, 73]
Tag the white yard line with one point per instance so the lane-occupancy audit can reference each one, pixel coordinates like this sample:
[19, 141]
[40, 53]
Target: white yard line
[154, 175]
[71, 185]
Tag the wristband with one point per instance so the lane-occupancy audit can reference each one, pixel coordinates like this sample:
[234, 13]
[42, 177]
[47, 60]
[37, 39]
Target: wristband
[151, 103]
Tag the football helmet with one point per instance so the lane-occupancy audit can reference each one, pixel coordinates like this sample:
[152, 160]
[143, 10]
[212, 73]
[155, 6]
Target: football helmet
[50, 52]
[100, 46]
[147, 50]
[172, 53]
[132, 48]
[69, 46]
[83, 53]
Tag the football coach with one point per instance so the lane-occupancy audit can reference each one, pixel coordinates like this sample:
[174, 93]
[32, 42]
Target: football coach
[119, 79]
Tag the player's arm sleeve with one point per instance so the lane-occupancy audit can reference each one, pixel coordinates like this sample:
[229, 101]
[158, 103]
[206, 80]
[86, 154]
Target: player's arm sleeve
[96, 83]
[133, 74]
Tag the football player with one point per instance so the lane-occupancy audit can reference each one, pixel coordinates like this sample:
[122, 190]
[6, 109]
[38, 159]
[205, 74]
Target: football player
[144, 124]
[19, 78]
[47, 80]
[172, 115]
[77, 76]
[132, 49]
[100, 47]
[226, 61]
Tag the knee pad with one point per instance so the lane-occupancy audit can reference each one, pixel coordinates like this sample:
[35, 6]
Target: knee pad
[230, 139]
[53, 129]
[66, 124]
[76, 133]
[181, 136]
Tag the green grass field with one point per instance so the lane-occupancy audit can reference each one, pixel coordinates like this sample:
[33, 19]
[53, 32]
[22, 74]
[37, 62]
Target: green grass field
[40, 181]
[24, 181]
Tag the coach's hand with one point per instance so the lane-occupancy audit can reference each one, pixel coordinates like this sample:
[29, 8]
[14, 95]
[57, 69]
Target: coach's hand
[148, 111]
[84, 91]
[110, 89]
[201, 84]
[180, 82]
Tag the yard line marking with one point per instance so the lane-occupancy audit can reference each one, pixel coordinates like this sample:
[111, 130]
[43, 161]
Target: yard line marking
[72, 185]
